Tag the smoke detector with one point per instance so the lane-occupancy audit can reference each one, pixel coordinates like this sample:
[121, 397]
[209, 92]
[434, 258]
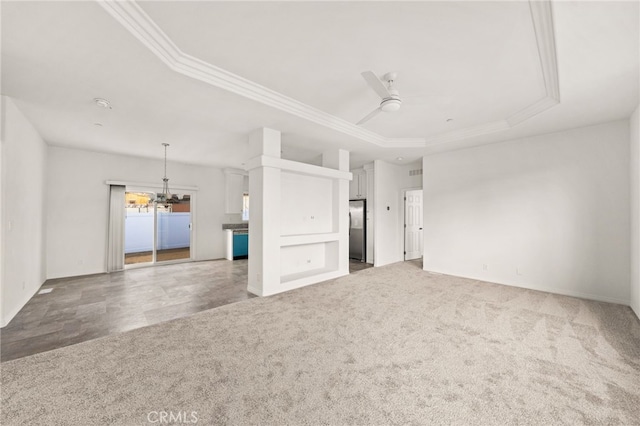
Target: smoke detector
[102, 103]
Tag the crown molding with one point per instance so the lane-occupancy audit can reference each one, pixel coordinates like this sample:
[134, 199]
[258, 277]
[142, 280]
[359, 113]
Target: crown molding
[468, 132]
[542, 17]
[542, 20]
[532, 110]
[141, 26]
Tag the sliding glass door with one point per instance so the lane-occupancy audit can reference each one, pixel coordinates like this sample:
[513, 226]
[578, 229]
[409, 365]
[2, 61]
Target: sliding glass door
[156, 232]
[138, 227]
[173, 236]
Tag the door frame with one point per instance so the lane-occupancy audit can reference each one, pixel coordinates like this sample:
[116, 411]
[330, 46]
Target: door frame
[151, 188]
[404, 219]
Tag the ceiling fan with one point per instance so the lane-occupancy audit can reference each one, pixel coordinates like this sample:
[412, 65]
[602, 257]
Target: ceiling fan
[390, 97]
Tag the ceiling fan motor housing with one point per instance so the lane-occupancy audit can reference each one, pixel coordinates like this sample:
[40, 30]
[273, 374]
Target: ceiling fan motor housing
[392, 103]
[390, 97]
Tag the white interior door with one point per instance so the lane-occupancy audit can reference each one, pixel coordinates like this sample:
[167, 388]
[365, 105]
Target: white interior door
[413, 224]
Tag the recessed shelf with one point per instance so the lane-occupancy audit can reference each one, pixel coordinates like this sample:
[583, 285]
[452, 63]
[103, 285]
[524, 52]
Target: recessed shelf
[294, 240]
[293, 281]
[305, 274]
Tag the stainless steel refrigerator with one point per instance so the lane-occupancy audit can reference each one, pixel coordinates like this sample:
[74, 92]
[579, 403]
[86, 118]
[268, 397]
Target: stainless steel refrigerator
[358, 230]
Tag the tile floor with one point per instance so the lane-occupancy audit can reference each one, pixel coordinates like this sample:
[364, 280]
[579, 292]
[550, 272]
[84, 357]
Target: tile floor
[88, 307]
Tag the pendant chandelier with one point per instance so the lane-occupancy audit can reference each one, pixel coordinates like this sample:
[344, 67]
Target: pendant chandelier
[165, 196]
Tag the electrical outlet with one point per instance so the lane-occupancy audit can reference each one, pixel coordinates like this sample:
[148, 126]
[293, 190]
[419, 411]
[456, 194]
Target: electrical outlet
[485, 267]
[519, 271]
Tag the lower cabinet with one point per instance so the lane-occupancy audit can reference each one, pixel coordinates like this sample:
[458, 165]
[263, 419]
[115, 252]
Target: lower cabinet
[240, 246]
[236, 244]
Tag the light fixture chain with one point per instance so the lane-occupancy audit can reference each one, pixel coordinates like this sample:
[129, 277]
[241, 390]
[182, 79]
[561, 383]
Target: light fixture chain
[165, 158]
[165, 196]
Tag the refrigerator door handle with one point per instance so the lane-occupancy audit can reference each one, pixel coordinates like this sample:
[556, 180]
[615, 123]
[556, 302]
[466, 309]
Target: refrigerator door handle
[349, 223]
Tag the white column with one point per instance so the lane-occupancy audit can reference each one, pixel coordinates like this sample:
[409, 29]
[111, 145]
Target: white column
[369, 172]
[264, 213]
[339, 159]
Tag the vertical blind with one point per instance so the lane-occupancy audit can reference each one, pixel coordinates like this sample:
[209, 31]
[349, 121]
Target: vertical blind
[115, 250]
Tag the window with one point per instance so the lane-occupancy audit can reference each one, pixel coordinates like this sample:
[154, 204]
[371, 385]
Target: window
[245, 206]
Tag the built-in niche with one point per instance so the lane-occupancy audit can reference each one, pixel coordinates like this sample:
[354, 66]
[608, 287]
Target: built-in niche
[299, 217]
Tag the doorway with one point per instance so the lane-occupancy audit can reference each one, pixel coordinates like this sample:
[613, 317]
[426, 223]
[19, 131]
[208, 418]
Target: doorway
[156, 232]
[413, 243]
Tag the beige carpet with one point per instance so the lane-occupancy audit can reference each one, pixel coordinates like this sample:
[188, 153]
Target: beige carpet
[391, 345]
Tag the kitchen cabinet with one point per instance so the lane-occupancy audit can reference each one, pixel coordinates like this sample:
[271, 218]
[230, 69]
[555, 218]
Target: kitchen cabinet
[234, 190]
[237, 244]
[358, 186]
[240, 245]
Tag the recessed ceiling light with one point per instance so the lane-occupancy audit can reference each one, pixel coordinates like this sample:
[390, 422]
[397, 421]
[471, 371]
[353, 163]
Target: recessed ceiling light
[399, 158]
[103, 103]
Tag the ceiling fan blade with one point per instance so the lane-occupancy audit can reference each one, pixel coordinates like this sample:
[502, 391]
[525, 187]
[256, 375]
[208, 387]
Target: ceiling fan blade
[376, 84]
[370, 116]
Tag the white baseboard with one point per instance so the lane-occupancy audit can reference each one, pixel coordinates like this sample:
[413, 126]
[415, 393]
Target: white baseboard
[254, 290]
[562, 292]
[6, 319]
[636, 310]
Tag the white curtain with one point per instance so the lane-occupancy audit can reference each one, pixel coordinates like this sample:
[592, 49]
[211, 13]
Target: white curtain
[115, 250]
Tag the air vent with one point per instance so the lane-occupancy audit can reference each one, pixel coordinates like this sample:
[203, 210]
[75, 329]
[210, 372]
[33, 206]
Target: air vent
[415, 172]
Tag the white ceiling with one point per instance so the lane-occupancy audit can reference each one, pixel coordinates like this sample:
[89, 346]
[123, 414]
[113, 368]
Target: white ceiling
[473, 62]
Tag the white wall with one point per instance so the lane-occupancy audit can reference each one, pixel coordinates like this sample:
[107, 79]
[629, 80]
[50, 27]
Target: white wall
[390, 181]
[549, 212]
[635, 210]
[78, 206]
[306, 204]
[23, 235]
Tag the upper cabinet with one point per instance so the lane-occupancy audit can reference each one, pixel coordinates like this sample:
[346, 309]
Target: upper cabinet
[358, 186]
[234, 190]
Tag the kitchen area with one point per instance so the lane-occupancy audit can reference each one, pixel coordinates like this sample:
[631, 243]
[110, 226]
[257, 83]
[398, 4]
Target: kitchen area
[236, 237]
[361, 216]
[236, 226]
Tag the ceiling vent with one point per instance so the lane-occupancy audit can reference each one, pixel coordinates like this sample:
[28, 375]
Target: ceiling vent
[415, 172]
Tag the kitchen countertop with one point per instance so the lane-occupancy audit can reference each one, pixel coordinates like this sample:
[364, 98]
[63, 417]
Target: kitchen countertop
[232, 226]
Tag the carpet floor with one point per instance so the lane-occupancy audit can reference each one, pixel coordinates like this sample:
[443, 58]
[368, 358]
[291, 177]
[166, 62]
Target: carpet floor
[390, 345]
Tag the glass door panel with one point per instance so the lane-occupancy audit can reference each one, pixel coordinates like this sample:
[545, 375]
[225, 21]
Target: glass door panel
[173, 238]
[138, 228]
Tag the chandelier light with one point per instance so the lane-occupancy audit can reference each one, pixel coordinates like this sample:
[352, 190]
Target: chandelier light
[165, 196]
